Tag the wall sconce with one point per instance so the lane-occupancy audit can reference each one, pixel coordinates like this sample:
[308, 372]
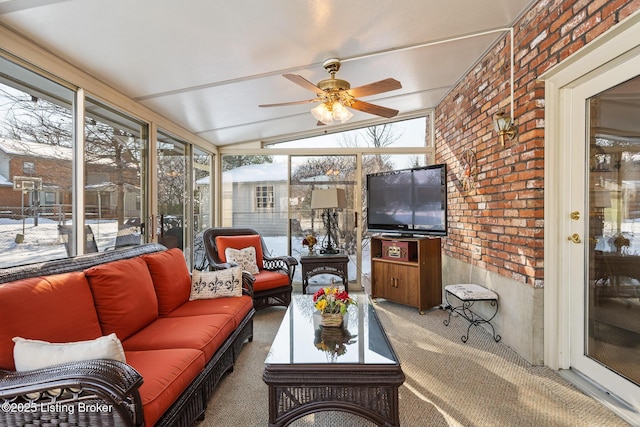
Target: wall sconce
[505, 126]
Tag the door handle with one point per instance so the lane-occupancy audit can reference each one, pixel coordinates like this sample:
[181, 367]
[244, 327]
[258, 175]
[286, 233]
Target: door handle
[575, 238]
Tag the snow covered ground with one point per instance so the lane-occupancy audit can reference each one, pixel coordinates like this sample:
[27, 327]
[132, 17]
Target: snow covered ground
[42, 243]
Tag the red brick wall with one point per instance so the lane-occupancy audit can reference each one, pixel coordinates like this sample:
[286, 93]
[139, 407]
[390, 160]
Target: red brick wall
[498, 225]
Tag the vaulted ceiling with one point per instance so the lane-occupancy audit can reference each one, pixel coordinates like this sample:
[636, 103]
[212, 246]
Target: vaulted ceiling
[208, 64]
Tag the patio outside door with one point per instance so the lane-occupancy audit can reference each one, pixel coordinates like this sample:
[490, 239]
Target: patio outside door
[309, 173]
[605, 261]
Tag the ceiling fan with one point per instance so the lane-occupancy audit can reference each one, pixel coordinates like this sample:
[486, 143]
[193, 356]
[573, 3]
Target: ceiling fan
[334, 95]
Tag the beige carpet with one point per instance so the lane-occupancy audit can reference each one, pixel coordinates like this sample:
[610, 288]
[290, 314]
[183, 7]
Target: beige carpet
[448, 383]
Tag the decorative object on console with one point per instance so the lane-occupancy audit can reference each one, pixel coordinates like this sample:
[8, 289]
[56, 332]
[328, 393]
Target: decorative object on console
[332, 302]
[505, 126]
[329, 200]
[310, 241]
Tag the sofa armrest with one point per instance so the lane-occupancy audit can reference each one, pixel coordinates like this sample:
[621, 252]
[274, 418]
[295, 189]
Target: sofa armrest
[247, 283]
[97, 391]
[287, 264]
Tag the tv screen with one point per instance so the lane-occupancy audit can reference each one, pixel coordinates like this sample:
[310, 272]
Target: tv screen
[408, 201]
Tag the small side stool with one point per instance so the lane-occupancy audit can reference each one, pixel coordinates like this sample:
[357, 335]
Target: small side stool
[467, 295]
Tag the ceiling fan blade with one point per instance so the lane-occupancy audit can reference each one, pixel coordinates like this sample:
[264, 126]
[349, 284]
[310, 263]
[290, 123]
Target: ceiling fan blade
[373, 109]
[385, 85]
[281, 104]
[302, 82]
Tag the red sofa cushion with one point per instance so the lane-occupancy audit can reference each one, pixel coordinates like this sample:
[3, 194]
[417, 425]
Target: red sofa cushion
[171, 278]
[56, 308]
[204, 333]
[124, 296]
[269, 280]
[238, 308]
[240, 242]
[166, 373]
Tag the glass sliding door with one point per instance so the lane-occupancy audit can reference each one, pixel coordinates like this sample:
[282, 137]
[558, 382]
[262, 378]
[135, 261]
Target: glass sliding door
[255, 195]
[173, 184]
[36, 167]
[309, 173]
[115, 178]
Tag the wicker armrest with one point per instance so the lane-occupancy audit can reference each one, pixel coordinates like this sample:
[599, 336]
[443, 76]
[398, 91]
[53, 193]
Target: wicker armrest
[284, 263]
[247, 283]
[109, 383]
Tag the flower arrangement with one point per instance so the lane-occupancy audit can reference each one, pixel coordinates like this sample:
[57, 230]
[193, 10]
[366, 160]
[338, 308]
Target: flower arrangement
[309, 240]
[332, 300]
[620, 241]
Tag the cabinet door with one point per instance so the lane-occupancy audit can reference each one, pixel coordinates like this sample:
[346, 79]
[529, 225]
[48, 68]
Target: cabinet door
[407, 281]
[396, 282]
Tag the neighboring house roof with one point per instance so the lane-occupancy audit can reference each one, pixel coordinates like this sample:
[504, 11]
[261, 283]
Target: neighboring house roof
[110, 187]
[263, 172]
[44, 151]
[35, 149]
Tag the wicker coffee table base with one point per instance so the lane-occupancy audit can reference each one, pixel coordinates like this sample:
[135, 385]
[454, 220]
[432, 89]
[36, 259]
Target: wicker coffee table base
[370, 393]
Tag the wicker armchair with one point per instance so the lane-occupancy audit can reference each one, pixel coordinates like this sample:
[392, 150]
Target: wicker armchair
[272, 285]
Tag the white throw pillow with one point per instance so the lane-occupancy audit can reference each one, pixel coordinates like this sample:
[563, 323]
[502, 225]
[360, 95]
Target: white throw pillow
[245, 258]
[216, 284]
[36, 354]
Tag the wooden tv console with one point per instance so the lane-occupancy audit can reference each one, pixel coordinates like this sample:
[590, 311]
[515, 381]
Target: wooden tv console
[407, 270]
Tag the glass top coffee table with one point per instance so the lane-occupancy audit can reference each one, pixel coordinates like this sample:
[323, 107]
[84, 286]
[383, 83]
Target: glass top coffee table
[311, 368]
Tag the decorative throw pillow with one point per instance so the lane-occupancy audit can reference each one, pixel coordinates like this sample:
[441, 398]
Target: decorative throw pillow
[216, 284]
[245, 258]
[36, 354]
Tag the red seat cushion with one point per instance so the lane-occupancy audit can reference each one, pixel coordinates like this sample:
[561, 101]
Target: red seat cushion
[166, 374]
[237, 308]
[124, 296]
[204, 333]
[269, 280]
[240, 242]
[56, 308]
[171, 278]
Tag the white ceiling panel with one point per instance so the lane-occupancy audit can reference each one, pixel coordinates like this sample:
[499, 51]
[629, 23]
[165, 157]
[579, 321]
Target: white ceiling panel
[207, 65]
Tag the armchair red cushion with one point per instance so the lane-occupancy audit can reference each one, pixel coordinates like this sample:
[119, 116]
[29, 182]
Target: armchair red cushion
[240, 242]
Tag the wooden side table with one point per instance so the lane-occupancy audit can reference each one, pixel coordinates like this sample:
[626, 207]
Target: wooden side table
[324, 264]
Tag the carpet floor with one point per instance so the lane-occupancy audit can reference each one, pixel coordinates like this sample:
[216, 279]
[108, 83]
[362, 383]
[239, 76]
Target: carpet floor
[448, 382]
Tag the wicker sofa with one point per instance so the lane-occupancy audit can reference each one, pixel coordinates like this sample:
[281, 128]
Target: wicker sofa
[176, 349]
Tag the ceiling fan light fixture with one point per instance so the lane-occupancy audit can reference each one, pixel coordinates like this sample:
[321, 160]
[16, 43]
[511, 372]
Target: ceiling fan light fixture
[341, 113]
[322, 113]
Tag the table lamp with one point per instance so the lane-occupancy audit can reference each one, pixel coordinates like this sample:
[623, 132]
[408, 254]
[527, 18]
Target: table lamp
[329, 200]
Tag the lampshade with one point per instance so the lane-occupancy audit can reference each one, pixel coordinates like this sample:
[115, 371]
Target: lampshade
[601, 198]
[340, 112]
[327, 112]
[322, 114]
[328, 198]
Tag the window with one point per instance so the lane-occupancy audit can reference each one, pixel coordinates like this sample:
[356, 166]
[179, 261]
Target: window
[28, 168]
[264, 197]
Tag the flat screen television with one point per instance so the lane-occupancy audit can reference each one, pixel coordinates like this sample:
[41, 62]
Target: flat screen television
[408, 201]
